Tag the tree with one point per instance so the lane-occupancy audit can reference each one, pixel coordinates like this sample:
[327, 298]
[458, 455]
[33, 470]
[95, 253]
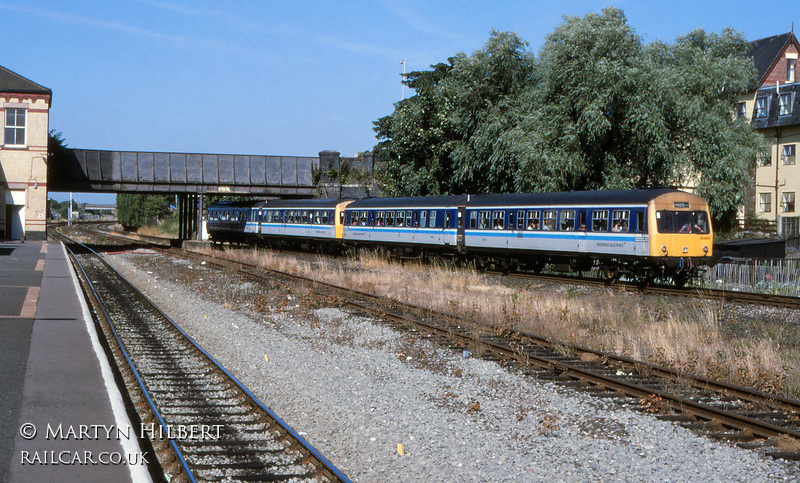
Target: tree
[444, 139]
[599, 109]
[614, 113]
[130, 210]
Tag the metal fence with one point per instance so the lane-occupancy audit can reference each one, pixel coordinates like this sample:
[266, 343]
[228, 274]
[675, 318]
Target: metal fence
[771, 276]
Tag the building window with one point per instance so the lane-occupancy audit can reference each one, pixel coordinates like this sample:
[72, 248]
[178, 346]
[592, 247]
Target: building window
[787, 202]
[764, 159]
[791, 64]
[785, 104]
[741, 110]
[787, 154]
[15, 127]
[765, 202]
[791, 227]
[761, 107]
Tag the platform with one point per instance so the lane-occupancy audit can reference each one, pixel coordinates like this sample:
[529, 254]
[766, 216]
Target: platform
[61, 416]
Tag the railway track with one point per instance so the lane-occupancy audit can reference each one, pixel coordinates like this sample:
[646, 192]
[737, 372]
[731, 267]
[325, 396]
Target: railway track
[750, 418]
[201, 422]
[753, 419]
[769, 300]
[751, 298]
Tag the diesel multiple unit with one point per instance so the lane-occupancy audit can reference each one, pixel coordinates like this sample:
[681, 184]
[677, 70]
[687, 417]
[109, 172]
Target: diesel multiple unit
[644, 234]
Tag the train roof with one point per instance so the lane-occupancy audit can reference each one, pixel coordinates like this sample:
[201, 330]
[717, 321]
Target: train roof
[277, 203]
[602, 197]
[316, 203]
[409, 202]
[234, 204]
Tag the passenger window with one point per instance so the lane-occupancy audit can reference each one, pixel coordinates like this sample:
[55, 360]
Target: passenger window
[379, 219]
[567, 220]
[533, 220]
[520, 220]
[600, 220]
[390, 218]
[473, 216]
[499, 220]
[408, 218]
[621, 220]
[640, 221]
[549, 220]
[484, 220]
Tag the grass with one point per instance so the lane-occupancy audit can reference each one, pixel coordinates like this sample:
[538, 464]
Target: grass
[702, 337]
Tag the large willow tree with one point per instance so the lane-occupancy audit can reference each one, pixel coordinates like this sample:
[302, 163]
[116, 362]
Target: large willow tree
[599, 109]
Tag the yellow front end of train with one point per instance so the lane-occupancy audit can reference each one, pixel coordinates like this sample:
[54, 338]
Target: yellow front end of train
[680, 231]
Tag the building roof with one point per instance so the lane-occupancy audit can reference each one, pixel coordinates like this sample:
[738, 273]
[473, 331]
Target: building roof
[13, 82]
[765, 53]
[773, 118]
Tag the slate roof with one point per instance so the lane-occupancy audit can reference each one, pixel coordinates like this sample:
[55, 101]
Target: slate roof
[13, 82]
[773, 118]
[765, 51]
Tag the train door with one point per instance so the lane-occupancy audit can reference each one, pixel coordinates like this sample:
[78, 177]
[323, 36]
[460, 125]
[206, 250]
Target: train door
[461, 218]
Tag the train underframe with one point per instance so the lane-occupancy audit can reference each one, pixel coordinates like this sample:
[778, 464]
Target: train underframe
[645, 270]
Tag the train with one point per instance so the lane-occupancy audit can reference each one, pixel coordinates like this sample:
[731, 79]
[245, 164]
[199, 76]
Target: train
[640, 234]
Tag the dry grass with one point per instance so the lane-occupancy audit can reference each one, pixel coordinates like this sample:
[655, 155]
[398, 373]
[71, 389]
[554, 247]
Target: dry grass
[684, 334]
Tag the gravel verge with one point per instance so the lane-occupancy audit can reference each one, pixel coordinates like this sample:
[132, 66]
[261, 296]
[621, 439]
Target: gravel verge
[357, 389]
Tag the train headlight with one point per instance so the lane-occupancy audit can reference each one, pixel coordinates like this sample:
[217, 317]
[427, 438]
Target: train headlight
[705, 249]
[664, 248]
[685, 249]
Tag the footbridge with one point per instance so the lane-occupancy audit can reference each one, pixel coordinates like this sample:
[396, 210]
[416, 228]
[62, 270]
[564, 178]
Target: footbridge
[191, 176]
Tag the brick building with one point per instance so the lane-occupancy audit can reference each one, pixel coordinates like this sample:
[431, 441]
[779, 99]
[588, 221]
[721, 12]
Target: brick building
[23, 157]
[773, 109]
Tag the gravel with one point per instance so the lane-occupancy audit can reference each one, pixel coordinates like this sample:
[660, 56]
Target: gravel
[357, 390]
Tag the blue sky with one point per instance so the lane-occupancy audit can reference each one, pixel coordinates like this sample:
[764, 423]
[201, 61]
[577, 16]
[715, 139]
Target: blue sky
[284, 77]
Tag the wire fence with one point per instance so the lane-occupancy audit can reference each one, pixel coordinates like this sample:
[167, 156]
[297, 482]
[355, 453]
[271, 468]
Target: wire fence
[769, 276]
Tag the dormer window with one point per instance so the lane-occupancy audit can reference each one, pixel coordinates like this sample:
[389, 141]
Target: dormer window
[785, 104]
[741, 110]
[761, 107]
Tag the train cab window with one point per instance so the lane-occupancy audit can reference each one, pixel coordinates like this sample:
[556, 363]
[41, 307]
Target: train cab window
[432, 219]
[600, 220]
[423, 219]
[484, 218]
[533, 220]
[621, 221]
[700, 222]
[567, 220]
[498, 220]
[341, 217]
[683, 222]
